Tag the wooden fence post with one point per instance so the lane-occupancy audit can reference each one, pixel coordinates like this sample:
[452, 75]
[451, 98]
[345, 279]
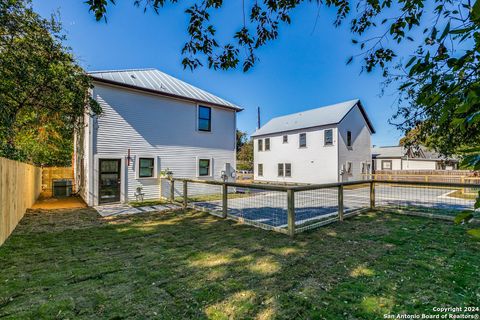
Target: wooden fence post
[224, 200]
[291, 212]
[185, 194]
[172, 190]
[340, 202]
[372, 195]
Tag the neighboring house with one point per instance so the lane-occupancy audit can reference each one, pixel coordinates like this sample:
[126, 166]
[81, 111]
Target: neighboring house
[401, 158]
[151, 123]
[322, 145]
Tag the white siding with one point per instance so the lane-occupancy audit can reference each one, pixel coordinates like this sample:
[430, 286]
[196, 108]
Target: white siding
[360, 150]
[164, 128]
[396, 163]
[419, 165]
[316, 163]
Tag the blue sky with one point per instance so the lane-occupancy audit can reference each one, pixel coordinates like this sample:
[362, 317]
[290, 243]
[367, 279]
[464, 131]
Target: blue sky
[305, 68]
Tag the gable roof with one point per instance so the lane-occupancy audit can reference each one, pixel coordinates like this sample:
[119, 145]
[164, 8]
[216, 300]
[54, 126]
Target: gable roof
[332, 114]
[155, 81]
[422, 153]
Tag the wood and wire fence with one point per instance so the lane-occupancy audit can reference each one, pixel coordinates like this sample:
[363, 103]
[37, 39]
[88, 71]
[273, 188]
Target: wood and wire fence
[294, 209]
[20, 186]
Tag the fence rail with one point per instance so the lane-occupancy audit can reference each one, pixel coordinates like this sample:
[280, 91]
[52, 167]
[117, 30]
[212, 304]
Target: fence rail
[294, 209]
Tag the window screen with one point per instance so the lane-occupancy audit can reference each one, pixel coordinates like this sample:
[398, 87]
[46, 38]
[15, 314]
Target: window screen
[328, 134]
[146, 167]
[303, 140]
[204, 167]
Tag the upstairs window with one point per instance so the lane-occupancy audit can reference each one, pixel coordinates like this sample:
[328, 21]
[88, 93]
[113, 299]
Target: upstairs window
[288, 169]
[260, 145]
[204, 167]
[303, 140]
[328, 137]
[146, 167]
[204, 118]
[260, 169]
[349, 138]
[280, 169]
[267, 144]
[285, 138]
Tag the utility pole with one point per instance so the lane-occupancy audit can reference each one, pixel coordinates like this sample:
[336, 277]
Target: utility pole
[258, 117]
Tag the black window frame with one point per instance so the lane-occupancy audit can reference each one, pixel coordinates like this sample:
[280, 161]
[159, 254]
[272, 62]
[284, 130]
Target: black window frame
[152, 167]
[209, 168]
[280, 170]
[386, 161]
[260, 169]
[287, 169]
[209, 119]
[260, 145]
[285, 138]
[300, 140]
[349, 138]
[325, 137]
[267, 144]
[349, 167]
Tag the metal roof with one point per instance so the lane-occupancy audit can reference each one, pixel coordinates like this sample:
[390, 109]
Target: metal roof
[422, 153]
[155, 81]
[322, 116]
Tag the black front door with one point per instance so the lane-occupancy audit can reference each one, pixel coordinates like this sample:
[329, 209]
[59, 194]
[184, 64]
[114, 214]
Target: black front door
[109, 180]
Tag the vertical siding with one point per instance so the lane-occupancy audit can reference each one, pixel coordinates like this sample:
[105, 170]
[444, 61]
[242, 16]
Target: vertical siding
[360, 151]
[159, 127]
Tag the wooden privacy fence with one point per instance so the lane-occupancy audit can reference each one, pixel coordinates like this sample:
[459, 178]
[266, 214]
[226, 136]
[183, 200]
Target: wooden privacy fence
[50, 174]
[20, 186]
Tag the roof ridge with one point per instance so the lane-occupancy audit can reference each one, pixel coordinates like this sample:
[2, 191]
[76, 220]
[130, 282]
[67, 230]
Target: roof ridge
[123, 70]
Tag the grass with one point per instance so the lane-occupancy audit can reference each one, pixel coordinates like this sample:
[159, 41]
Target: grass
[146, 203]
[190, 265]
[213, 197]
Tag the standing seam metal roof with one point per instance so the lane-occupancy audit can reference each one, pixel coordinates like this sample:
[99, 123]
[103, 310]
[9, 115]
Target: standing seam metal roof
[161, 83]
[322, 116]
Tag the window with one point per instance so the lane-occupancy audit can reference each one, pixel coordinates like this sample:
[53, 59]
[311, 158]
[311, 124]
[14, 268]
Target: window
[328, 135]
[146, 167]
[260, 169]
[204, 118]
[368, 168]
[267, 144]
[280, 169]
[364, 168]
[260, 145]
[288, 169]
[285, 138]
[349, 138]
[303, 140]
[386, 164]
[349, 167]
[204, 167]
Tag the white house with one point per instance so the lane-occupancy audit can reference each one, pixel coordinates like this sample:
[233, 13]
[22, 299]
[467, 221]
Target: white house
[323, 145]
[151, 122]
[401, 158]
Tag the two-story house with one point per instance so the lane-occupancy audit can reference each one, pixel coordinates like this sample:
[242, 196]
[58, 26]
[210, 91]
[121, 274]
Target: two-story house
[323, 145]
[151, 123]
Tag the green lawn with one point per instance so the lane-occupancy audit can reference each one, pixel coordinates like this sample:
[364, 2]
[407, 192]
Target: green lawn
[190, 265]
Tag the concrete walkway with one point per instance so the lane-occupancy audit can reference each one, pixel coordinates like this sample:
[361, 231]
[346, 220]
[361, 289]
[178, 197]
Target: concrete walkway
[125, 209]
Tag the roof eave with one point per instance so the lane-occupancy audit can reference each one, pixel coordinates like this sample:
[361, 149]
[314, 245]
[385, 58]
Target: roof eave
[166, 94]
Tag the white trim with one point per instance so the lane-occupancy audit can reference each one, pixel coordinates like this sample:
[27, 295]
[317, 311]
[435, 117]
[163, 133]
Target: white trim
[123, 170]
[136, 167]
[197, 164]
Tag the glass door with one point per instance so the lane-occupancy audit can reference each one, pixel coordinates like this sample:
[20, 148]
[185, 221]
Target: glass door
[109, 180]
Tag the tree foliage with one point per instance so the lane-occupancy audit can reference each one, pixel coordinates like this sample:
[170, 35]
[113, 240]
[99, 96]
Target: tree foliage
[43, 91]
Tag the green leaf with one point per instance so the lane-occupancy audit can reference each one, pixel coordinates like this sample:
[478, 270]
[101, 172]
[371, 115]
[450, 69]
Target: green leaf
[476, 10]
[463, 216]
[474, 233]
[409, 63]
[477, 202]
[445, 31]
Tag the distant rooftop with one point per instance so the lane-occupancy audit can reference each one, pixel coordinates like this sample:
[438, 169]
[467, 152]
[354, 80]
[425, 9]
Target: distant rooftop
[322, 116]
[402, 152]
[155, 81]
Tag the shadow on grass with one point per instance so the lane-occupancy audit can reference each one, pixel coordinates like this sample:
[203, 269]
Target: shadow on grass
[190, 265]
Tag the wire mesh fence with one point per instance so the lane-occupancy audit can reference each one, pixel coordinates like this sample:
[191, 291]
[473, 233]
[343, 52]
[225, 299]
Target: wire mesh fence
[294, 209]
[266, 209]
[439, 200]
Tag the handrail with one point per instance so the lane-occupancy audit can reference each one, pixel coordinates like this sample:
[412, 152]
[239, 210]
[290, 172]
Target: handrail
[327, 185]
